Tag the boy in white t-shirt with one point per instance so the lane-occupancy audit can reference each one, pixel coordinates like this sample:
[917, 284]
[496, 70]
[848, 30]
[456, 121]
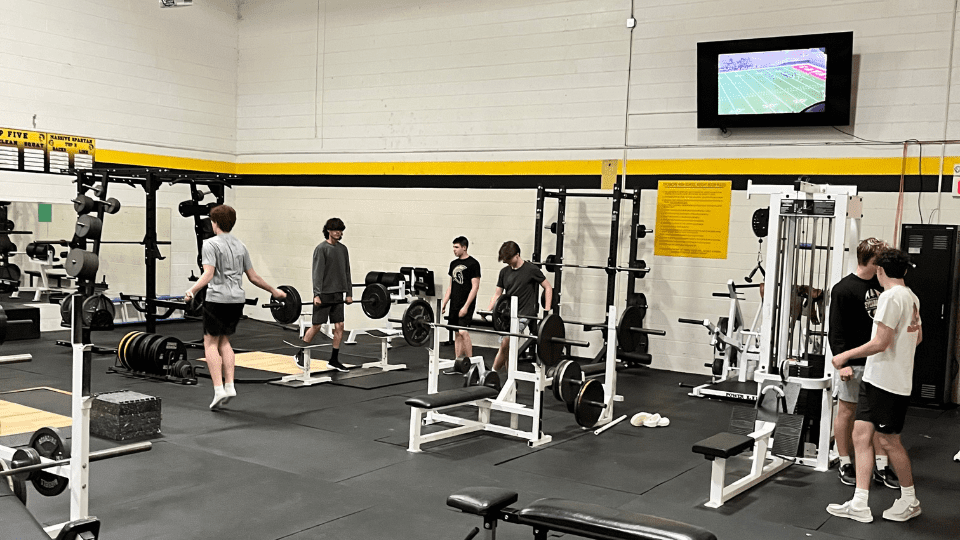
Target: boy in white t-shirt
[885, 390]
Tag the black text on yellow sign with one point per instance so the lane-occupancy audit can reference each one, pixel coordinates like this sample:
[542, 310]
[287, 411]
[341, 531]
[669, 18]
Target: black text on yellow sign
[693, 219]
[23, 138]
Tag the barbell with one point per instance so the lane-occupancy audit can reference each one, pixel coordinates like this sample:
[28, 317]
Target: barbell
[418, 321]
[84, 204]
[375, 300]
[551, 264]
[642, 230]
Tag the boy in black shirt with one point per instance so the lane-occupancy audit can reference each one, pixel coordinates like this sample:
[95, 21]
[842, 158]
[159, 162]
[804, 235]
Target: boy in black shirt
[462, 294]
[853, 302]
[520, 279]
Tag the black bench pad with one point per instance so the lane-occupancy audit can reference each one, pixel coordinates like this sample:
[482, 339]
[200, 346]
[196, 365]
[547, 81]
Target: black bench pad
[723, 445]
[452, 397]
[15, 520]
[482, 500]
[593, 521]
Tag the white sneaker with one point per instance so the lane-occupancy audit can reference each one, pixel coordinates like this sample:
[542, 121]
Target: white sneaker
[653, 420]
[901, 511]
[639, 418]
[218, 400]
[664, 422]
[846, 510]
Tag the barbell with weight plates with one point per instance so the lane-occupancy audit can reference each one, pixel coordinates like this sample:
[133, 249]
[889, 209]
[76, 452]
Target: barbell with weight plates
[88, 227]
[375, 300]
[85, 204]
[642, 230]
[551, 266]
[417, 322]
[584, 398]
[27, 462]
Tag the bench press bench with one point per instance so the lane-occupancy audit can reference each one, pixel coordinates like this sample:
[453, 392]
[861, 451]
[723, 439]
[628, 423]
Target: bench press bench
[419, 405]
[570, 517]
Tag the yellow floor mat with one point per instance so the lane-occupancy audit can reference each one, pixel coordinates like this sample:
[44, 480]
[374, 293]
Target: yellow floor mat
[276, 363]
[15, 419]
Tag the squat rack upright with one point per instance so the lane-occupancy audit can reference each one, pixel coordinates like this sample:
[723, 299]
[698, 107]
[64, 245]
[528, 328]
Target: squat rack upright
[637, 231]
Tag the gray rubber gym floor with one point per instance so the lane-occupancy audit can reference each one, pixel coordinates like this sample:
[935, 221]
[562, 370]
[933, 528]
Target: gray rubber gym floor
[330, 461]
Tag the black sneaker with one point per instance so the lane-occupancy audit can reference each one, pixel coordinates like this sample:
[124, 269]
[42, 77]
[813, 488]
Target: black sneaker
[886, 476]
[848, 474]
[335, 364]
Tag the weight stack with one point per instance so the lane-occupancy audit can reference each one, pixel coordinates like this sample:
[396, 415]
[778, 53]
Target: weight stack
[122, 416]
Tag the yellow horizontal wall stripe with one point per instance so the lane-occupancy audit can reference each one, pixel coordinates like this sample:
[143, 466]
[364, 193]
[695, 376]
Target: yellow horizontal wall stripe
[434, 168]
[136, 159]
[701, 167]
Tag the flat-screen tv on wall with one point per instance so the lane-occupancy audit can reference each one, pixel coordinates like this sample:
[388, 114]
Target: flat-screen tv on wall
[776, 81]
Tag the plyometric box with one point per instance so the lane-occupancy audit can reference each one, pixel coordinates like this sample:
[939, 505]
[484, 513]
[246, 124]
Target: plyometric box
[121, 416]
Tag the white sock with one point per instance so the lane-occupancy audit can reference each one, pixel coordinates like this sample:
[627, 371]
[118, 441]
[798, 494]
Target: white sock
[861, 499]
[229, 389]
[844, 460]
[881, 462]
[908, 493]
[219, 391]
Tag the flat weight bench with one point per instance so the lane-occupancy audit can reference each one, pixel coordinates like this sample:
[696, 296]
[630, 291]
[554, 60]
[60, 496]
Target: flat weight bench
[419, 405]
[571, 517]
[743, 434]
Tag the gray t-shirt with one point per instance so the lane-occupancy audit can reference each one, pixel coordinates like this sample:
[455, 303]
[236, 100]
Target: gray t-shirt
[331, 269]
[230, 259]
[522, 283]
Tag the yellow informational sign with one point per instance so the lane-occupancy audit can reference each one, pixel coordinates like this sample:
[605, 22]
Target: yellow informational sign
[693, 219]
[37, 151]
[68, 151]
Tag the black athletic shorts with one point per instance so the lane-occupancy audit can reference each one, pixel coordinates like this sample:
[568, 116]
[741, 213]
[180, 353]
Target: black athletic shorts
[453, 317]
[885, 410]
[221, 319]
[332, 311]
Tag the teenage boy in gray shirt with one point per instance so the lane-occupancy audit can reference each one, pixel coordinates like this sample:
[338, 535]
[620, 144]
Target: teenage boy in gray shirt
[331, 281]
[521, 279]
[225, 259]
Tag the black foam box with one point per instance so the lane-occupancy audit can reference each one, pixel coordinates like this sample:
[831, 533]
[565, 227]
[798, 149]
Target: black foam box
[125, 415]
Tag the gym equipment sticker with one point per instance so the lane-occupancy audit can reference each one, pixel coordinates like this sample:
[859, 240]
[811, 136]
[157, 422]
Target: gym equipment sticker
[693, 219]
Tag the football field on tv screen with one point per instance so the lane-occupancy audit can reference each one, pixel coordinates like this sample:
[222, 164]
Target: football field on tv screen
[781, 89]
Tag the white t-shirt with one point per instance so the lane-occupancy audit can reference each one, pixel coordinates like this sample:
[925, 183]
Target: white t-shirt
[892, 369]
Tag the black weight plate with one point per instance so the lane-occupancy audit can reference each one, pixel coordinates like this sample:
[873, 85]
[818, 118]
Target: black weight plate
[585, 406]
[557, 373]
[83, 204]
[550, 353]
[120, 347]
[65, 307]
[88, 227]
[630, 318]
[472, 376]
[17, 484]
[81, 264]
[132, 354]
[151, 356]
[111, 206]
[501, 314]
[175, 352]
[10, 272]
[417, 323]
[570, 378]
[143, 360]
[462, 364]
[194, 308]
[491, 378]
[375, 300]
[642, 305]
[287, 310]
[49, 443]
[167, 352]
[98, 312]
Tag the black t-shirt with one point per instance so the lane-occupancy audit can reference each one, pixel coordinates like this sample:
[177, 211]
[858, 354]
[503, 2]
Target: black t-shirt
[522, 283]
[462, 272]
[853, 302]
